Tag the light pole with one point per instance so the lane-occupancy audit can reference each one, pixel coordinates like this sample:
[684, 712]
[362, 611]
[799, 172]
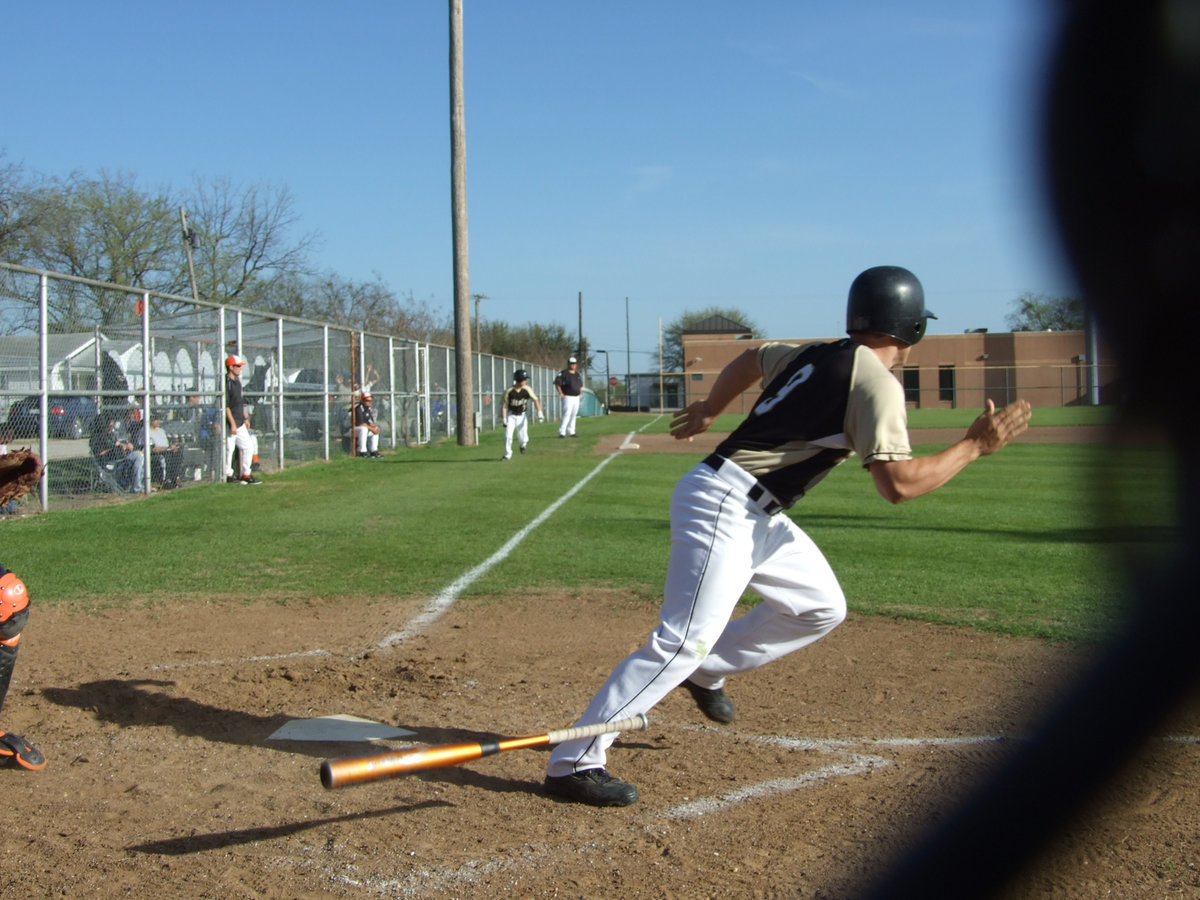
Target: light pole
[478, 297]
[606, 377]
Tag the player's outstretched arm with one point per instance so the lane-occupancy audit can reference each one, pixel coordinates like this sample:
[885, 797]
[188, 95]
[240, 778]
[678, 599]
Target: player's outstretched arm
[900, 480]
[735, 379]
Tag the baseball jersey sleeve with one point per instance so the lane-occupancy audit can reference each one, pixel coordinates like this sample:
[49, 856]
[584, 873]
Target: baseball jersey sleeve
[876, 416]
[773, 356]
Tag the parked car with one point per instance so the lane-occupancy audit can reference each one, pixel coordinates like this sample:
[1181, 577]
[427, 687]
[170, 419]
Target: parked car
[69, 417]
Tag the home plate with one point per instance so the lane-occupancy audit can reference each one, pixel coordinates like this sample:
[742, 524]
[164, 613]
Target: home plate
[337, 728]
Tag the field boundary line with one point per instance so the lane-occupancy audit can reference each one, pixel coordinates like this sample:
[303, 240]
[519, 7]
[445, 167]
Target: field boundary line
[434, 609]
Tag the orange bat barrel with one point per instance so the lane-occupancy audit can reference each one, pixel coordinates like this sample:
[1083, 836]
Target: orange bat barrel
[391, 763]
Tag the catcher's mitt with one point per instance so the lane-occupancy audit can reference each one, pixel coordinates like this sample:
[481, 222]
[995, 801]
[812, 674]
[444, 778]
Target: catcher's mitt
[20, 471]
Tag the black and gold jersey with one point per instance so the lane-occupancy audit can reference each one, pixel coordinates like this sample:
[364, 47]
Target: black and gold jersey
[820, 403]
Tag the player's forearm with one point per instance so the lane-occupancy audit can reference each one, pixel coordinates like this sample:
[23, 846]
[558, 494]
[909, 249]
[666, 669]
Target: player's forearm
[735, 379]
[905, 479]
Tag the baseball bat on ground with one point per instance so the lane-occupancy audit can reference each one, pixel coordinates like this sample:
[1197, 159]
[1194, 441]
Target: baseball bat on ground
[391, 763]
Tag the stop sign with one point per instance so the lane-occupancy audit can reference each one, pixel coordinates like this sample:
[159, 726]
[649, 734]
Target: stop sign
[612, 379]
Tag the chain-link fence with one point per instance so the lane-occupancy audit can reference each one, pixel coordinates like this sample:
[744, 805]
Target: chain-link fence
[83, 364]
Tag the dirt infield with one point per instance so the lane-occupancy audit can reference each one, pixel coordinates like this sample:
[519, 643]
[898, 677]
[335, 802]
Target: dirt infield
[161, 773]
[162, 780]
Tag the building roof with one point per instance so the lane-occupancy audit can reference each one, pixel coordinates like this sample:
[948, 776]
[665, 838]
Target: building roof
[717, 325]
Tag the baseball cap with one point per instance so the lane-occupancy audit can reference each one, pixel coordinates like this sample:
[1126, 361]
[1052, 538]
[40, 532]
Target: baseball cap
[572, 359]
[234, 360]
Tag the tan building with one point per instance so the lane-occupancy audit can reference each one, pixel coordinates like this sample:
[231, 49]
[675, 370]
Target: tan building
[944, 371]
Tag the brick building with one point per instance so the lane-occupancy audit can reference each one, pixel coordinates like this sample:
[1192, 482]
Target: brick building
[944, 371]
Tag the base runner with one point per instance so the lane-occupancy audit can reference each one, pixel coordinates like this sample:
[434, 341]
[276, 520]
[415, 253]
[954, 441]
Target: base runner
[514, 412]
[820, 403]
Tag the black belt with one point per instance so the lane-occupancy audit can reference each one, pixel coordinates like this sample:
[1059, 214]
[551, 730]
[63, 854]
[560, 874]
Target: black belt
[759, 495]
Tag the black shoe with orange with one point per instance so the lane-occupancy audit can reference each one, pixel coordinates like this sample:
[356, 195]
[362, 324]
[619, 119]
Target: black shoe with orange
[15, 749]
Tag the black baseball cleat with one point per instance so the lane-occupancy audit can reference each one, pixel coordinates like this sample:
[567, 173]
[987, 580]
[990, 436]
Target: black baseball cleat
[522, 449]
[592, 786]
[232, 479]
[250, 479]
[15, 749]
[713, 703]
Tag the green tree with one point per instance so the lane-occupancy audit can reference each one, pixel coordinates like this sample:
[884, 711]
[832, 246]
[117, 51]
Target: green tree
[1037, 312]
[546, 345]
[672, 359]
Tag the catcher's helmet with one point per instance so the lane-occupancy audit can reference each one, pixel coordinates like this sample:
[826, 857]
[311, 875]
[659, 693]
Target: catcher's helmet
[888, 300]
[13, 596]
[520, 375]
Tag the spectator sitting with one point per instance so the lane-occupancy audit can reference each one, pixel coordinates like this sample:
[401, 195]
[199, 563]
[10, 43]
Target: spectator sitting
[5, 436]
[165, 458]
[131, 436]
[113, 453]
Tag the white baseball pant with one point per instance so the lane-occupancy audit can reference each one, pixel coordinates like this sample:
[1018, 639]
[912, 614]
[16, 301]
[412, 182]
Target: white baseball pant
[721, 543]
[520, 424]
[368, 441]
[247, 447]
[570, 412]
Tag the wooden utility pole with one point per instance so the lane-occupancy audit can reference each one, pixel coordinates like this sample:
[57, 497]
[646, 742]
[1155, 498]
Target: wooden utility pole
[465, 383]
[189, 244]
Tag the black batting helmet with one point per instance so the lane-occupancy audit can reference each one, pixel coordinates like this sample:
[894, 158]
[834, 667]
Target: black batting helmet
[520, 375]
[888, 300]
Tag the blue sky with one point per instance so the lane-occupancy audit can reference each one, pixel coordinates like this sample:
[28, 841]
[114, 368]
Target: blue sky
[658, 156]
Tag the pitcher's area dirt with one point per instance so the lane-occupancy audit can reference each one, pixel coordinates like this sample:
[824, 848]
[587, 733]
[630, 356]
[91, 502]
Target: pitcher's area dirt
[162, 781]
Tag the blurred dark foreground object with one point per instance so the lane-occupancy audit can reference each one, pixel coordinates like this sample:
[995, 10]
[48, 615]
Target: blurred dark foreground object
[1122, 156]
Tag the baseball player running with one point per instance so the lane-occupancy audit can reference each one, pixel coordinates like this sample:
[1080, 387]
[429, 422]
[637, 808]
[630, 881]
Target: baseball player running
[514, 411]
[820, 403]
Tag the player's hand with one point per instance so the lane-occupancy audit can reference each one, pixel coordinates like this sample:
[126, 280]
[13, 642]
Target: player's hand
[695, 419]
[992, 430]
[541, 418]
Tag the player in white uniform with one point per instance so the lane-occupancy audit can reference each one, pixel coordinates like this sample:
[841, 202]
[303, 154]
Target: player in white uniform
[514, 412]
[820, 403]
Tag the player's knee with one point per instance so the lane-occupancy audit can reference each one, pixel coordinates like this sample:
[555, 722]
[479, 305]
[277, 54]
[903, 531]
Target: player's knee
[830, 614]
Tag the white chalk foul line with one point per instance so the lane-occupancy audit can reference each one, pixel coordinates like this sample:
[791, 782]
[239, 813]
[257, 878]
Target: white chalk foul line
[443, 601]
[244, 659]
[856, 764]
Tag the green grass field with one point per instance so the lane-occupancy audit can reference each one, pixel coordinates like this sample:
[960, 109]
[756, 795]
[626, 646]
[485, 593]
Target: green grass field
[1020, 543]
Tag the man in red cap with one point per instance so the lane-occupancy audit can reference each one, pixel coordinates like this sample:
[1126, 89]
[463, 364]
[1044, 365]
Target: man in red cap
[237, 421]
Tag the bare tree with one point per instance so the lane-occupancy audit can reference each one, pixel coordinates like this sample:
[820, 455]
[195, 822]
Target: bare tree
[103, 229]
[1037, 312]
[12, 207]
[244, 246]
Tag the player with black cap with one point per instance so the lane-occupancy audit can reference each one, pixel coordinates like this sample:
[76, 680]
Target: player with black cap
[821, 403]
[514, 412]
[570, 387]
